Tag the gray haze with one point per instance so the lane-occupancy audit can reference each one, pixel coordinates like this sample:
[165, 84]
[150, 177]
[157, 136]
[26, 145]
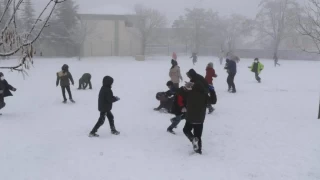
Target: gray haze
[174, 8]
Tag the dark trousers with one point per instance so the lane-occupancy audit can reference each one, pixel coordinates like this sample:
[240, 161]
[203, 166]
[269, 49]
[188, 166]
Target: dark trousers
[84, 85]
[197, 132]
[2, 103]
[63, 88]
[176, 120]
[257, 76]
[101, 120]
[230, 81]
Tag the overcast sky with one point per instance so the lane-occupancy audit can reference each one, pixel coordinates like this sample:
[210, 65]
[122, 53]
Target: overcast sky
[174, 8]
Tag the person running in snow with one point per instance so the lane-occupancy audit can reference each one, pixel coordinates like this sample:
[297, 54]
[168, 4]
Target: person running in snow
[196, 110]
[231, 68]
[5, 89]
[210, 74]
[166, 98]
[84, 81]
[178, 108]
[105, 101]
[175, 74]
[64, 77]
[256, 68]
[194, 58]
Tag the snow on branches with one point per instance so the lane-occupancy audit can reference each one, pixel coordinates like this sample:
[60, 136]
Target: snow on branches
[15, 39]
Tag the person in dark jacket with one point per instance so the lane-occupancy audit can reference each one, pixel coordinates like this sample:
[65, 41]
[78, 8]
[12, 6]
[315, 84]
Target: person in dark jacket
[105, 101]
[194, 58]
[178, 108]
[64, 77]
[5, 89]
[231, 68]
[166, 98]
[84, 81]
[196, 111]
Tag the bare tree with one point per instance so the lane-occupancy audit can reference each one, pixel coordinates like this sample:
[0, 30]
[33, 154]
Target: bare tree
[13, 42]
[275, 21]
[148, 20]
[309, 24]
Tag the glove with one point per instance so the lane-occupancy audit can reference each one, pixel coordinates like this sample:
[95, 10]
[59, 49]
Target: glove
[117, 98]
[156, 109]
[184, 110]
[14, 89]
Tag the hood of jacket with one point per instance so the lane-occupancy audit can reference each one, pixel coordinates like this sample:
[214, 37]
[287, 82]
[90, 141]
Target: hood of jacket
[107, 81]
[192, 74]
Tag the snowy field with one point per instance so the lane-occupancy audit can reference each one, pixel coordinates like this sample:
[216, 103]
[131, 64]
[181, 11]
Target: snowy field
[266, 131]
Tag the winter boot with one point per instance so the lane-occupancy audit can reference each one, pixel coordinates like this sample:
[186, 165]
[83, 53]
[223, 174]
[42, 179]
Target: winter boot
[169, 130]
[64, 101]
[115, 132]
[195, 143]
[72, 100]
[199, 151]
[93, 135]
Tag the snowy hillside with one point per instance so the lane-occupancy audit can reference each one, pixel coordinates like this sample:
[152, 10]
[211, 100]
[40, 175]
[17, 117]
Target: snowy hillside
[266, 131]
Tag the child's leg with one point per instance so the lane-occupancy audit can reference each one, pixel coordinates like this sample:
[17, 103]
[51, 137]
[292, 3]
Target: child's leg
[99, 123]
[80, 84]
[111, 120]
[69, 92]
[187, 131]
[175, 122]
[63, 89]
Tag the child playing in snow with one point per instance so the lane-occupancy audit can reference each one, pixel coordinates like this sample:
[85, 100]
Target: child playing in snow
[256, 68]
[178, 108]
[165, 98]
[84, 81]
[64, 77]
[5, 88]
[106, 99]
[210, 74]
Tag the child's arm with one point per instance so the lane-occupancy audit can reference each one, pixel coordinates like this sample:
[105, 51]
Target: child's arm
[70, 77]
[58, 79]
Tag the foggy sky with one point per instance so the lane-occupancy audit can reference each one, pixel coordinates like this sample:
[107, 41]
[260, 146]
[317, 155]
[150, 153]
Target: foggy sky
[174, 8]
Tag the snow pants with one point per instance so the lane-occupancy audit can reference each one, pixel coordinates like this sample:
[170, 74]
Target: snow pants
[197, 132]
[63, 89]
[101, 120]
[230, 81]
[257, 76]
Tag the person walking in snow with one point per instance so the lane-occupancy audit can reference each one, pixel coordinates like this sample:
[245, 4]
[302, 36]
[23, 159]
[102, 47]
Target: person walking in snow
[64, 77]
[210, 74]
[196, 110]
[84, 81]
[178, 108]
[256, 68]
[194, 58]
[105, 101]
[5, 89]
[231, 68]
[175, 74]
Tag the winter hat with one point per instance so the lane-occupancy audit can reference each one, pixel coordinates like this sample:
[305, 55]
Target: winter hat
[107, 81]
[191, 73]
[256, 59]
[174, 62]
[65, 67]
[169, 83]
[210, 64]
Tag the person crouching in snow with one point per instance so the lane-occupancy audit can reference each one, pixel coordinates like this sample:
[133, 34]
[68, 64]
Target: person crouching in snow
[84, 81]
[5, 89]
[105, 101]
[64, 77]
[178, 108]
[175, 74]
[165, 98]
[256, 68]
[210, 74]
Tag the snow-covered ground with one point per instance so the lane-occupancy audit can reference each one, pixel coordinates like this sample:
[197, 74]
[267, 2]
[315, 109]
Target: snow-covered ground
[266, 131]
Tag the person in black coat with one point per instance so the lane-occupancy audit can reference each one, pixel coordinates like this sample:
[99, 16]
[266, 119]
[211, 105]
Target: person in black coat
[105, 101]
[166, 98]
[231, 68]
[5, 89]
[197, 99]
[178, 108]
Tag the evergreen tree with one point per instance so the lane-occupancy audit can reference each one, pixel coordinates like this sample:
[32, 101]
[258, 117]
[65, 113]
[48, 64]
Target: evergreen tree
[27, 16]
[65, 23]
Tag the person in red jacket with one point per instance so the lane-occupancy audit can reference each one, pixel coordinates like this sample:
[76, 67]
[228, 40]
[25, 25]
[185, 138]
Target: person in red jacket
[210, 74]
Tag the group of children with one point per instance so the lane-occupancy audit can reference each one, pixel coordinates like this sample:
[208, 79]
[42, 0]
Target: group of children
[105, 101]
